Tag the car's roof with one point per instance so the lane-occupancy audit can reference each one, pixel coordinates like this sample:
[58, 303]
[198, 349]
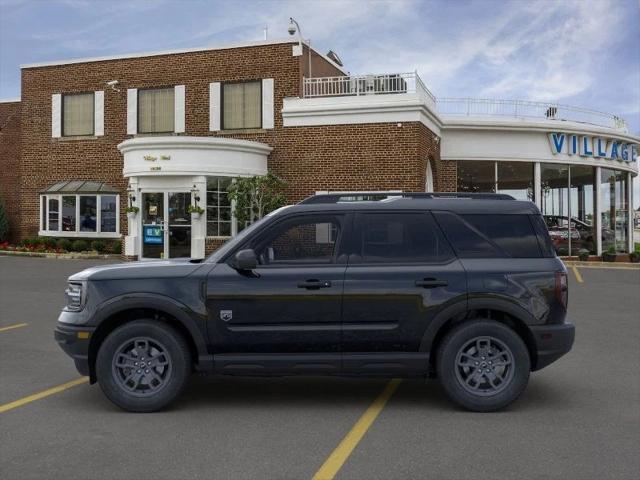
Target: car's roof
[461, 204]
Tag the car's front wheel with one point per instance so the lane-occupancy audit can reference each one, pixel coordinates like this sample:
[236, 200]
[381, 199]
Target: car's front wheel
[143, 365]
[483, 365]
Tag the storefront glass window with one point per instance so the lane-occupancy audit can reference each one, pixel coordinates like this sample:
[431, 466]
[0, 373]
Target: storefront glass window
[516, 179]
[218, 207]
[69, 213]
[88, 213]
[476, 176]
[582, 205]
[555, 204]
[108, 213]
[615, 210]
[54, 213]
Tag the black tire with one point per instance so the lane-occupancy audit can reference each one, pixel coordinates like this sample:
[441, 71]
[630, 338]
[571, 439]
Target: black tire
[165, 377]
[460, 358]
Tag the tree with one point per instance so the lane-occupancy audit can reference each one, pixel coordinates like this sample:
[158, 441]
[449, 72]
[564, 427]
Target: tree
[256, 196]
[4, 222]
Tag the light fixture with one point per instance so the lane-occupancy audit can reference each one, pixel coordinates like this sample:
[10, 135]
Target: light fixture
[195, 193]
[132, 197]
[293, 28]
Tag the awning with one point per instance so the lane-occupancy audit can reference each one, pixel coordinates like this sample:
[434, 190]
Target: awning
[80, 186]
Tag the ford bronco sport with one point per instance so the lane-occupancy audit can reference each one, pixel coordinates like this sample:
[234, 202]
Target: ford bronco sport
[465, 287]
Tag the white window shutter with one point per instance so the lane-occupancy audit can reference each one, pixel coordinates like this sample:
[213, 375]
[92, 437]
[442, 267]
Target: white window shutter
[98, 113]
[214, 107]
[56, 115]
[267, 103]
[179, 99]
[132, 111]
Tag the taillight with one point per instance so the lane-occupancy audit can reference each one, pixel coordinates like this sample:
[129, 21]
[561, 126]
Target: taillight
[562, 288]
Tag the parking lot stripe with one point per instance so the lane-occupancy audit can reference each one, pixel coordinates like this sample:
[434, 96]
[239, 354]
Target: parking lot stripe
[45, 393]
[577, 274]
[11, 327]
[334, 463]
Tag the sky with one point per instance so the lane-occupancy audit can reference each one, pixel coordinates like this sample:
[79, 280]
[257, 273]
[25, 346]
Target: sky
[576, 52]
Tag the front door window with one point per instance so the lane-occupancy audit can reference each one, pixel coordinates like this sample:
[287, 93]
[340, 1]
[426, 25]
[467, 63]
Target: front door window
[166, 225]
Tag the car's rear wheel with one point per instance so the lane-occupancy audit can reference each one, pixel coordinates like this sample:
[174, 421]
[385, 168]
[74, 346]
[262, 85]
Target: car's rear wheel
[143, 365]
[483, 365]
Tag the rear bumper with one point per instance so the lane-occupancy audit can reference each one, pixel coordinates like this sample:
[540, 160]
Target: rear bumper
[74, 341]
[552, 342]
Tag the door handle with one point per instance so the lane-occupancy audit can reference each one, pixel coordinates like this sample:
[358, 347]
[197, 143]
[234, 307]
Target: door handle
[431, 283]
[314, 284]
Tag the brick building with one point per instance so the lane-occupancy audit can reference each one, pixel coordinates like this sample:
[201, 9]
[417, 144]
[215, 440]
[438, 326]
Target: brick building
[161, 131]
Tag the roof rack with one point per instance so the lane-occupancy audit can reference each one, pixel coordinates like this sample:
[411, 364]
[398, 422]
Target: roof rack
[380, 196]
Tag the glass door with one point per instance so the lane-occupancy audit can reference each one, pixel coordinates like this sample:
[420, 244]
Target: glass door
[153, 228]
[179, 225]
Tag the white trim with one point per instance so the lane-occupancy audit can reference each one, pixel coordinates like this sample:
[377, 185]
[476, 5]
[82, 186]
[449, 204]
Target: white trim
[179, 102]
[214, 107]
[77, 233]
[172, 52]
[598, 219]
[56, 115]
[62, 234]
[10, 100]
[132, 111]
[268, 119]
[98, 113]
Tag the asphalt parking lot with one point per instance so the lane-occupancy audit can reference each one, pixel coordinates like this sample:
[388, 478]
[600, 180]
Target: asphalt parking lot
[578, 419]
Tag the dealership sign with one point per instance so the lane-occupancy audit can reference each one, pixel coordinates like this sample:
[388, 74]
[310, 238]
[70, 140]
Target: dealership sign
[589, 146]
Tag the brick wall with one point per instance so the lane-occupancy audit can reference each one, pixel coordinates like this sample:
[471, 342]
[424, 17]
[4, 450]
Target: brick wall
[10, 163]
[341, 157]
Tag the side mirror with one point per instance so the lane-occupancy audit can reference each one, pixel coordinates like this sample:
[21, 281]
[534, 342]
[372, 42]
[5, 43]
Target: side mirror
[245, 260]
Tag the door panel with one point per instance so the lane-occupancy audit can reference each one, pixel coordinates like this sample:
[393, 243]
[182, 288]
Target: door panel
[179, 224]
[153, 241]
[291, 303]
[401, 275]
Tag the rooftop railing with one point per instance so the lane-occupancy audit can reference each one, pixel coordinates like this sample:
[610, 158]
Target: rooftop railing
[357, 85]
[398, 83]
[480, 107]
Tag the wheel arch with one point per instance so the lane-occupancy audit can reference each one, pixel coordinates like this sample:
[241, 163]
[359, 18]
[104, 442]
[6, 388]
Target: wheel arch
[500, 310]
[120, 310]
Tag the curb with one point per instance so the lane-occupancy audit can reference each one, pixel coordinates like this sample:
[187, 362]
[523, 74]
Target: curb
[612, 265]
[61, 256]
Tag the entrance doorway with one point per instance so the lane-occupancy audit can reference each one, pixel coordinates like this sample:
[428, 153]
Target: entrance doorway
[166, 225]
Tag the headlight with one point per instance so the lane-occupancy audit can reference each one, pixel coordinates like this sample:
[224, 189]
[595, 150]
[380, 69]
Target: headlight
[75, 296]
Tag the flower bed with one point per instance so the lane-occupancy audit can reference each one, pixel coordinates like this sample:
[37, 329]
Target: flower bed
[47, 245]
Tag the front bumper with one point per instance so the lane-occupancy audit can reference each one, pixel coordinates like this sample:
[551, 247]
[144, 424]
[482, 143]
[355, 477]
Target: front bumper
[74, 340]
[552, 342]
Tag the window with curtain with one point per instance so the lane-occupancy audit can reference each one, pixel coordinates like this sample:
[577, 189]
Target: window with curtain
[242, 105]
[77, 114]
[156, 110]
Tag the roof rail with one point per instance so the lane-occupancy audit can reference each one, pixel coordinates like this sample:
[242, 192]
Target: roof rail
[378, 196]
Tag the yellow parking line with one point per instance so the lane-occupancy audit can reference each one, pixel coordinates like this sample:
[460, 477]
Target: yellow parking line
[577, 274]
[45, 393]
[11, 327]
[334, 463]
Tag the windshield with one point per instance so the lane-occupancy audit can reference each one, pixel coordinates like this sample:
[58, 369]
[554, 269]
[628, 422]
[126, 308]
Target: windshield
[238, 239]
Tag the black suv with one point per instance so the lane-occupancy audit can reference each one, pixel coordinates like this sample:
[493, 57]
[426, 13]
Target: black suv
[464, 287]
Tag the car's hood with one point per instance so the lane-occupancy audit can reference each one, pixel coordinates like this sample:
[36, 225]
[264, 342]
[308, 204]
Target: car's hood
[131, 270]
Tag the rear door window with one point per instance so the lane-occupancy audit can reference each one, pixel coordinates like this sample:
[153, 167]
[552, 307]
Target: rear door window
[400, 238]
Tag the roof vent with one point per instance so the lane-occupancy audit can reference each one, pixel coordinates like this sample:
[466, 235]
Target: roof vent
[334, 57]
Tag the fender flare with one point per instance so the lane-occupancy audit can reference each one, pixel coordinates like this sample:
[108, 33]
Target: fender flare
[479, 303]
[183, 314]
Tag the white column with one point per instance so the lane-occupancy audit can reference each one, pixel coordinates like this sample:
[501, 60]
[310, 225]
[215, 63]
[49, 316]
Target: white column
[199, 226]
[132, 239]
[537, 185]
[630, 210]
[598, 219]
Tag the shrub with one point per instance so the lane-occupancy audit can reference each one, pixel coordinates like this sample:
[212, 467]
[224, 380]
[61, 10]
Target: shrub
[4, 223]
[99, 246]
[583, 254]
[47, 242]
[79, 246]
[116, 247]
[65, 244]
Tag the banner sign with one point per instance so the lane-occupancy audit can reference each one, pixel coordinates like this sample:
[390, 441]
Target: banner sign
[153, 235]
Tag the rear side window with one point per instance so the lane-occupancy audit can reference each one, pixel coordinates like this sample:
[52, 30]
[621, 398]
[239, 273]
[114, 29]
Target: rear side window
[467, 241]
[542, 232]
[400, 238]
[512, 233]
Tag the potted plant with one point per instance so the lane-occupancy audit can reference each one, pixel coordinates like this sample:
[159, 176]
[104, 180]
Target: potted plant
[610, 255]
[583, 254]
[132, 211]
[195, 211]
[635, 255]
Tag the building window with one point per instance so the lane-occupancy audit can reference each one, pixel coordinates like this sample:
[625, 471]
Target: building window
[476, 176]
[614, 210]
[78, 114]
[156, 110]
[516, 179]
[79, 215]
[219, 212]
[242, 105]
